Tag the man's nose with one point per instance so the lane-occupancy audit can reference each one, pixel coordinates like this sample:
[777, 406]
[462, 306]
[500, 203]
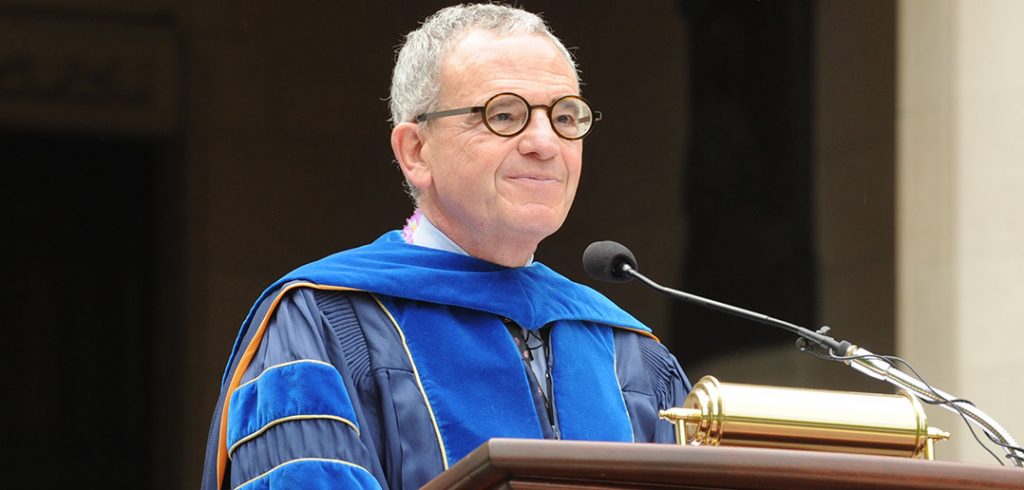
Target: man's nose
[539, 138]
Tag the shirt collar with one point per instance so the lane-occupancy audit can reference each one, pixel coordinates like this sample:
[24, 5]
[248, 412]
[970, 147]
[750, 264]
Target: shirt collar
[420, 231]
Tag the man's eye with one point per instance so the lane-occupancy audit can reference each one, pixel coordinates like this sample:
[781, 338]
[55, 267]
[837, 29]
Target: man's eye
[565, 120]
[503, 117]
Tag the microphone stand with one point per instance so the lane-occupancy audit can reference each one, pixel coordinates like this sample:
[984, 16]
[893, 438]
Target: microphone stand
[860, 360]
[877, 367]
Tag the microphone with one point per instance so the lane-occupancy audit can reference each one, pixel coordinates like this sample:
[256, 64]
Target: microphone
[604, 260]
[612, 262]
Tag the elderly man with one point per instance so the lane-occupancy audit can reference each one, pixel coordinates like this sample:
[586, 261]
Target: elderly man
[382, 366]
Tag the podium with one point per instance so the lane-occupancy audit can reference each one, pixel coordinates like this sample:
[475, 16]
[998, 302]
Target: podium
[546, 464]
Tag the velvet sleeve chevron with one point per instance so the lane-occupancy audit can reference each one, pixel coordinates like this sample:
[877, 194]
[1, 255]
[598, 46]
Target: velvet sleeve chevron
[292, 422]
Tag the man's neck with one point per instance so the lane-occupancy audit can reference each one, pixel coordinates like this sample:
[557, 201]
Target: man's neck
[435, 233]
[420, 231]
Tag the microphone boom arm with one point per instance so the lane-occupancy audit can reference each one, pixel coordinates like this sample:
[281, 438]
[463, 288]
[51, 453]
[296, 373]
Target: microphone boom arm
[863, 361]
[834, 346]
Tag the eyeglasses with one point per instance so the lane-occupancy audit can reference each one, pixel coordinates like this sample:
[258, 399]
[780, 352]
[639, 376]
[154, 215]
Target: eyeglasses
[507, 114]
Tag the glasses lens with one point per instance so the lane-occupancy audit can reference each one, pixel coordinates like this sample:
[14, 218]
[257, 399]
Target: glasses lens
[571, 117]
[506, 114]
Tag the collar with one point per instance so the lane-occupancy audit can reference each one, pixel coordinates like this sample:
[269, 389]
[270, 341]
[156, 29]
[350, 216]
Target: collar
[421, 232]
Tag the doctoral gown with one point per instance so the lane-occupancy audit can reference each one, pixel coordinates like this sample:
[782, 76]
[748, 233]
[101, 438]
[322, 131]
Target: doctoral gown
[382, 366]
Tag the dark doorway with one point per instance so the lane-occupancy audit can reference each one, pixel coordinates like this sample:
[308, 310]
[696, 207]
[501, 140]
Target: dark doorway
[78, 219]
[748, 183]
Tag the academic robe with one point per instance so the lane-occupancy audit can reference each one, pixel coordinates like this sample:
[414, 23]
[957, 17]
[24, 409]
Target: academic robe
[382, 366]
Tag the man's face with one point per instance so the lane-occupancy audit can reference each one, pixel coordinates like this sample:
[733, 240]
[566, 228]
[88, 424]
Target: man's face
[486, 187]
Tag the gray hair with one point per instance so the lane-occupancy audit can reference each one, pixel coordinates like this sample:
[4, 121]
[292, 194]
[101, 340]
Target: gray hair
[415, 82]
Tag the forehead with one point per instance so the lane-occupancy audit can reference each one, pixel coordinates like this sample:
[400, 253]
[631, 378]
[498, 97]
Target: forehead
[482, 64]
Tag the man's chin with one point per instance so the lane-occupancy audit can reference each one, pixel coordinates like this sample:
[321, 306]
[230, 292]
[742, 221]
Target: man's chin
[537, 220]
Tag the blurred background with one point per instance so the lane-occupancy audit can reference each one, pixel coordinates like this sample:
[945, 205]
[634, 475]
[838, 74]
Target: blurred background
[850, 163]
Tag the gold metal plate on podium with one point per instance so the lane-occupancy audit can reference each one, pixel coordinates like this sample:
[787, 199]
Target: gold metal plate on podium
[731, 414]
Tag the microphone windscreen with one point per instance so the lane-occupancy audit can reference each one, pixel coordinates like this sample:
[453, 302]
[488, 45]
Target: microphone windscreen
[603, 261]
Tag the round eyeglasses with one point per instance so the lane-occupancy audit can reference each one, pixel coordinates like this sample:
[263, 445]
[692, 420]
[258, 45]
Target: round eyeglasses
[507, 114]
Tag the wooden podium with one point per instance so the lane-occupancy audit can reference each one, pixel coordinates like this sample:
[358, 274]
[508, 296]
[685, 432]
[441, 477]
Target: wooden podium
[545, 464]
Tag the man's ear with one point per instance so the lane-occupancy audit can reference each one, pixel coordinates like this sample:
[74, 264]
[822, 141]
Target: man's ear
[407, 144]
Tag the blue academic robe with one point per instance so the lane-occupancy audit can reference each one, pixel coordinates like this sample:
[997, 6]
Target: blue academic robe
[381, 366]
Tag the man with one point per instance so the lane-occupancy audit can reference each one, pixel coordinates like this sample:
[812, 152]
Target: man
[382, 366]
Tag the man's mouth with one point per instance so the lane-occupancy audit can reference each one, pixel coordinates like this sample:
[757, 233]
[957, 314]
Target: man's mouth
[541, 179]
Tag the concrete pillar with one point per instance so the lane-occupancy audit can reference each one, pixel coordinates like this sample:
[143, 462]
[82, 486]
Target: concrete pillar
[960, 222]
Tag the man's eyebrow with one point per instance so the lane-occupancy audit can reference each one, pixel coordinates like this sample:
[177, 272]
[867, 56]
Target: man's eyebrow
[562, 96]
